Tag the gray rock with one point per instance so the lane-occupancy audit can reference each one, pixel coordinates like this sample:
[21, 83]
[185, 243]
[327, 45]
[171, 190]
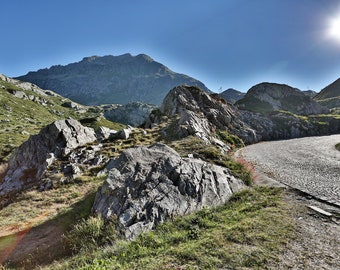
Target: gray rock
[17, 93]
[231, 95]
[71, 104]
[123, 134]
[134, 114]
[148, 185]
[29, 162]
[200, 114]
[104, 133]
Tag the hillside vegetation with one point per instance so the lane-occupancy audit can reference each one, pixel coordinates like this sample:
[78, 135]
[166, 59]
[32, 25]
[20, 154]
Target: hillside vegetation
[25, 109]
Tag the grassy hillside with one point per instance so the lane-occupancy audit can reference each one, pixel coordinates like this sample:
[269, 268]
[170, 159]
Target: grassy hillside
[21, 117]
[330, 91]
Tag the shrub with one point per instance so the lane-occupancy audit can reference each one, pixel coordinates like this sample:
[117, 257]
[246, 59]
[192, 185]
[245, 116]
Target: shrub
[230, 139]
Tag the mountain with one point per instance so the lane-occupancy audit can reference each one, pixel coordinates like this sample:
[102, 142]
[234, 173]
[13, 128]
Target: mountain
[111, 79]
[330, 91]
[267, 97]
[330, 96]
[232, 95]
[310, 93]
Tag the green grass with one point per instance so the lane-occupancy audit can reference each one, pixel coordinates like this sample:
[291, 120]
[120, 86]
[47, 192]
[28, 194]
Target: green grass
[246, 233]
[337, 146]
[95, 122]
[230, 139]
[211, 153]
[21, 118]
[253, 104]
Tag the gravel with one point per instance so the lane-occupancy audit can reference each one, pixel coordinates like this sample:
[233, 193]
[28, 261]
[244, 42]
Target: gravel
[311, 164]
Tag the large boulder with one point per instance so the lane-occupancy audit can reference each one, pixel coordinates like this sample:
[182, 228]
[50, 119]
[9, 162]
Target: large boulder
[147, 185]
[29, 162]
[200, 114]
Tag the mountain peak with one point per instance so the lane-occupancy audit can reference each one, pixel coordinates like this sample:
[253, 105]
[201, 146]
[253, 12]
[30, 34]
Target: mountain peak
[112, 79]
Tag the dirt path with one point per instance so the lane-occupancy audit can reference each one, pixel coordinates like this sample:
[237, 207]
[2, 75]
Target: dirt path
[309, 164]
[312, 165]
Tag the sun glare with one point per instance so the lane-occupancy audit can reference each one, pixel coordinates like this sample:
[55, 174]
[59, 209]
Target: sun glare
[333, 30]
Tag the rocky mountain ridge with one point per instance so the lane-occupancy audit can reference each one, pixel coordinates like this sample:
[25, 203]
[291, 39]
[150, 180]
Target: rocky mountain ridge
[269, 97]
[330, 91]
[330, 96]
[111, 79]
[231, 95]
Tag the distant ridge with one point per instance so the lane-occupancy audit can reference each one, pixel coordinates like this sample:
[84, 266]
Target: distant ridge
[268, 97]
[231, 95]
[120, 79]
[330, 91]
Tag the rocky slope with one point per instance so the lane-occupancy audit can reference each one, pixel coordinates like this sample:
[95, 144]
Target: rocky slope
[281, 125]
[268, 97]
[330, 91]
[330, 96]
[111, 79]
[25, 109]
[231, 95]
[28, 164]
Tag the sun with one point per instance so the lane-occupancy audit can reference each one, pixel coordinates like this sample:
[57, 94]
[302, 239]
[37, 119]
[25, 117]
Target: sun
[333, 28]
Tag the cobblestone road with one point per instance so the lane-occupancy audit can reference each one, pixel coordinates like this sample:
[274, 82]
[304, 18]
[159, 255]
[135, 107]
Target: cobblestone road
[309, 164]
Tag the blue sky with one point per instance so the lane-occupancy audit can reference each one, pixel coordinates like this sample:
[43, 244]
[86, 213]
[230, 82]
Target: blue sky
[223, 43]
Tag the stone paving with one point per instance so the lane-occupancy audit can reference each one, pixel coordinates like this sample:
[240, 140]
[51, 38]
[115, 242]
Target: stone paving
[311, 164]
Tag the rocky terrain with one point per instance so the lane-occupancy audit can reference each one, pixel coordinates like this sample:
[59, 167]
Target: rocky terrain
[330, 96]
[232, 95]
[25, 109]
[200, 114]
[149, 185]
[330, 91]
[268, 97]
[111, 79]
[133, 114]
[28, 164]
[175, 164]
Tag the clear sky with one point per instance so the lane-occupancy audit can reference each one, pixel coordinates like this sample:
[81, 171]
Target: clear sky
[223, 43]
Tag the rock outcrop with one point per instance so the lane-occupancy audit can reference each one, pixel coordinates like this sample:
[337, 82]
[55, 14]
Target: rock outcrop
[232, 95]
[134, 114]
[281, 125]
[29, 162]
[111, 79]
[201, 114]
[148, 185]
[268, 97]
